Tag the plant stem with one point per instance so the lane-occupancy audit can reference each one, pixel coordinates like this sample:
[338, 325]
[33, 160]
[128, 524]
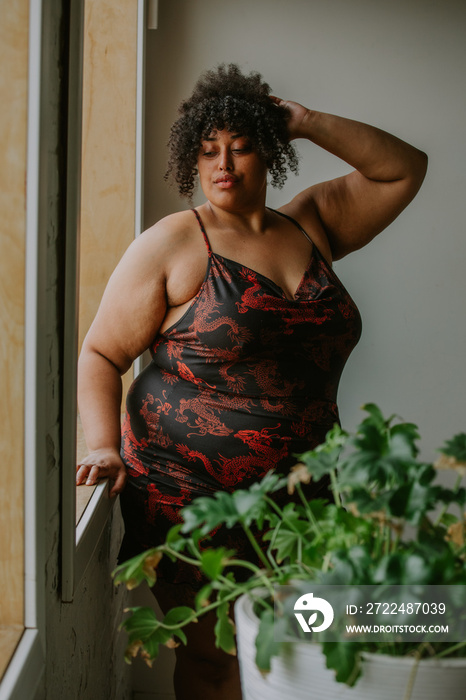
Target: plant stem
[308, 509]
[450, 650]
[355, 672]
[245, 564]
[259, 579]
[326, 562]
[283, 517]
[235, 593]
[335, 489]
[412, 675]
[255, 546]
[182, 557]
[273, 505]
[208, 608]
[378, 542]
[396, 541]
[387, 539]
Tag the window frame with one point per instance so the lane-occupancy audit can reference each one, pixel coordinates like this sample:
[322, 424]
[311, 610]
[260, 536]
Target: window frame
[26, 668]
[16, 684]
[79, 540]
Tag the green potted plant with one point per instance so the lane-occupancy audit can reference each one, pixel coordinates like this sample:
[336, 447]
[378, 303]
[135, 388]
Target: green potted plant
[390, 523]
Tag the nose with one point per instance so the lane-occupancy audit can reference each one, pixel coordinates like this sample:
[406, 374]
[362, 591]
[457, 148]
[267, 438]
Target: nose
[226, 162]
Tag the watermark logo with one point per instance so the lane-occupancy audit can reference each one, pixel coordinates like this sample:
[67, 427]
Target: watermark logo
[308, 603]
[370, 613]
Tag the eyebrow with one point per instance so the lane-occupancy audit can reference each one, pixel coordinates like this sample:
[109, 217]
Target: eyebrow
[213, 138]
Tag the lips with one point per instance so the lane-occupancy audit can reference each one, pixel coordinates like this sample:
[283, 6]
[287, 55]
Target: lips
[226, 181]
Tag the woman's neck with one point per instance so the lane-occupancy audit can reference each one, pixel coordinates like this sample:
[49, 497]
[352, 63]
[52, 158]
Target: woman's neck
[252, 221]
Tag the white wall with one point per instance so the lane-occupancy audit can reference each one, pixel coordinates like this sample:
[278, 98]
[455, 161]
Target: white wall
[399, 65]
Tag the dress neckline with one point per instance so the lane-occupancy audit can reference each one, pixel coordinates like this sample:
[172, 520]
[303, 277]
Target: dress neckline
[267, 279]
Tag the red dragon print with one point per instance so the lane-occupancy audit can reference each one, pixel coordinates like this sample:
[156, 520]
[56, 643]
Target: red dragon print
[260, 441]
[206, 307]
[272, 386]
[155, 433]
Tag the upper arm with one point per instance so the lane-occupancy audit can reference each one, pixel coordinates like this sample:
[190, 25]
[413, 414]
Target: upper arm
[133, 304]
[353, 209]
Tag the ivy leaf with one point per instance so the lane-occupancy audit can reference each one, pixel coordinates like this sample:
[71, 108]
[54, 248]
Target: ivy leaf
[138, 569]
[343, 657]
[448, 519]
[146, 633]
[213, 561]
[223, 508]
[403, 439]
[324, 458]
[202, 596]
[289, 533]
[266, 646]
[389, 570]
[416, 570]
[421, 499]
[225, 629]
[360, 560]
[398, 500]
[150, 649]
[376, 416]
[179, 616]
[142, 623]
[455, 447]
[173, 534]
[342, 574]
[250, 503]
[285, 541]
[175, 540]
[206, 513]
[370, 440]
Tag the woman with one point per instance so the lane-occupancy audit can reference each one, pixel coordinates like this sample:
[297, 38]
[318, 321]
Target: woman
[248, 326]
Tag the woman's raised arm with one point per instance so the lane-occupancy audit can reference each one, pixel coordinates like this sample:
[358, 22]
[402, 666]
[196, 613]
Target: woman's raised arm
[356, 207]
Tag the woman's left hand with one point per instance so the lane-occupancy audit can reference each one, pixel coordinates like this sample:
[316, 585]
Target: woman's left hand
[297, 116]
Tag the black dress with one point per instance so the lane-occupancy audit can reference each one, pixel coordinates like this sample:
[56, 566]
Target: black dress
[243, 382]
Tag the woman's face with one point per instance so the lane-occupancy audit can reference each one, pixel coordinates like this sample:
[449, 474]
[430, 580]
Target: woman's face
[232, 174]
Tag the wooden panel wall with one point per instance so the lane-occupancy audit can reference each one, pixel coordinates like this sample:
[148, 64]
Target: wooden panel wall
[13, 139]
[109, 146]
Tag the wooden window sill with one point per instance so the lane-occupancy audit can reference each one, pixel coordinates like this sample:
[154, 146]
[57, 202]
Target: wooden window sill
[83, 492]
[93, 507]
[83, 496]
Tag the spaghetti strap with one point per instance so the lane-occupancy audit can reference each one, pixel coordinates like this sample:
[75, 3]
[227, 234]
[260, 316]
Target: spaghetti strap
[293, 221]
[201, 225]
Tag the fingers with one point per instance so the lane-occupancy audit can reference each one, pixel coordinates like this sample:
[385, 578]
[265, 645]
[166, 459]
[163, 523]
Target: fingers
[277, 100]
[91, 474]
[82, 473]
[94, 468]
[119, 484]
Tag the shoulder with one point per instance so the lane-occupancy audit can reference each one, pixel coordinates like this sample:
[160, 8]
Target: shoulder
[171, 253]
[303, 209]
[177, 227]
[163, 241]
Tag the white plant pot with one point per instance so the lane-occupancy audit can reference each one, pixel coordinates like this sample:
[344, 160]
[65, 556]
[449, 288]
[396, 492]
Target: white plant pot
[300, 672]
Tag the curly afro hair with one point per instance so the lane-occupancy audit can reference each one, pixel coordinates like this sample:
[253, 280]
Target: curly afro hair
[225, 98]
